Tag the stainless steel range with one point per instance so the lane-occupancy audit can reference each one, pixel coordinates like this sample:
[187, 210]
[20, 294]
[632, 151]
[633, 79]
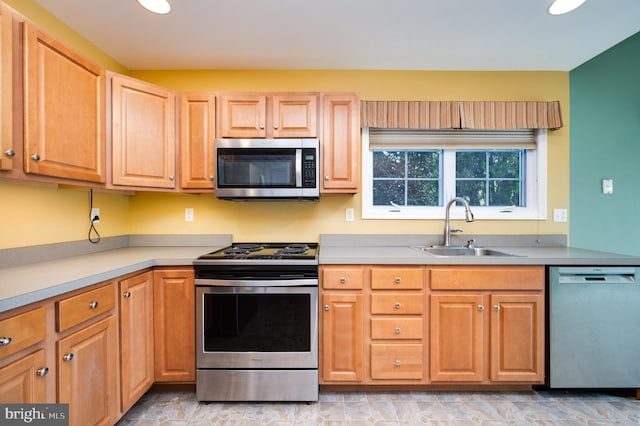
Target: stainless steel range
[257, 323]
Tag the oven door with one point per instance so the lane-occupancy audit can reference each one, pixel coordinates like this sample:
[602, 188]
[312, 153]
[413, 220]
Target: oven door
[256, 327]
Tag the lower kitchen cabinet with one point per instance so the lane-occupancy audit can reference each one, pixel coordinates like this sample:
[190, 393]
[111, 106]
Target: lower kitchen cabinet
[136, 338]
[87, 373]
[342, 337]
[23, 381]
[174, 325]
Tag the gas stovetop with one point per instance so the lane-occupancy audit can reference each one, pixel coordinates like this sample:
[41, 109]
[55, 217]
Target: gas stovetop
[289, 252]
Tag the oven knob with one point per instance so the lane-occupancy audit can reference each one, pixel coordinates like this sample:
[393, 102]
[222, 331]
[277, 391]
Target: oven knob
[326, 307]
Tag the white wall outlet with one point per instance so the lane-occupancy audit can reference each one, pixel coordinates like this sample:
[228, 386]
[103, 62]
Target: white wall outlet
[188, 214]
[607, 186]
[95, 212]
[349, 214]
[559, 215]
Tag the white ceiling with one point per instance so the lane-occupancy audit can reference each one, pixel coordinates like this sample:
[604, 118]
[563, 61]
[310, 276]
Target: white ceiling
[351, 34]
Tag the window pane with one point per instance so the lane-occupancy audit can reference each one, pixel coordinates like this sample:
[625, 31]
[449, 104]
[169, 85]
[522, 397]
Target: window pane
[385, 191]
[388, 164]
[423, 164]
[504, 193]
[504, 164]
[471, 164]
[423, 193]
[473, 191]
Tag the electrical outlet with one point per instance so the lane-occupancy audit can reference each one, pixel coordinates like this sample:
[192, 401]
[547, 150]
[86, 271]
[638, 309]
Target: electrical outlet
[559, 215]
[95, 212]
[188, 214]
[607, 186]
[349, 214]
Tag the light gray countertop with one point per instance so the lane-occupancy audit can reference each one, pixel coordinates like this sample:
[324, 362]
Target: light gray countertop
[34, 282]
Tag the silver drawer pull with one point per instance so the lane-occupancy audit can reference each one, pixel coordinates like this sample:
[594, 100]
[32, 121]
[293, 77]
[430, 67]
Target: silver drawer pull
[10, 153]
[326, 307]
[4, 341]
[480, 308]
[398, 305]
[397, 330]
[343, 280]
[67, 357]
[35, 157]
[93, 305]
[496, 308]
[42, 372]
[397, 363]
[397, 280]
[126, 294]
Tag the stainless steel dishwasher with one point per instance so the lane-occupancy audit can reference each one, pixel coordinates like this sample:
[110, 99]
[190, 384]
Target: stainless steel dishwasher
[594, 327]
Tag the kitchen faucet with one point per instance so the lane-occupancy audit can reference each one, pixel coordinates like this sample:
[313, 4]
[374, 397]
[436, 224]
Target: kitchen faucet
[447, 225]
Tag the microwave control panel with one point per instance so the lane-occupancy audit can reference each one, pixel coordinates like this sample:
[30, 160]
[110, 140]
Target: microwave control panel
[309, 168]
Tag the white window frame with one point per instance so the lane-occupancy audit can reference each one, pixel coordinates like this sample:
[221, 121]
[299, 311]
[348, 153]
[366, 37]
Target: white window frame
[536, 190]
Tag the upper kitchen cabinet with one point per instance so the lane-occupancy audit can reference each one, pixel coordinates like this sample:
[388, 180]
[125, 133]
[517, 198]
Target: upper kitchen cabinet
[143, 134]
[64, 110]
[7, 151]
[286, 115]
[341, 143]
[197, 132]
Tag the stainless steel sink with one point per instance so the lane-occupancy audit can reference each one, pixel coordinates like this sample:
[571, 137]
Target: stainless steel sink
[446, 251]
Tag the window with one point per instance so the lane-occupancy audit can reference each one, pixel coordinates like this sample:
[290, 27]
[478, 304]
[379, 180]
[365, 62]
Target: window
[413, 174]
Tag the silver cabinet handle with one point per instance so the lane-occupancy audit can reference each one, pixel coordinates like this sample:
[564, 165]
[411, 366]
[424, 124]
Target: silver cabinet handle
[397, 330]
[35, 157]
[480, 308]
[262, 126]
[210, 177]
[397, 280]
[397, 363]
[343, 280]
[275, 126]
[326, 307]
[10, 153]
[4, 341]
[172, 177]
[93, 305]
[496, 308]
[42, 372]
[126, 294]
[326, 178]
[67, 357]
[398, 305]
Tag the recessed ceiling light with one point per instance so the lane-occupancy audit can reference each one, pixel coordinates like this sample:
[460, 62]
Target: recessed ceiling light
[161, 7]
[559, 7]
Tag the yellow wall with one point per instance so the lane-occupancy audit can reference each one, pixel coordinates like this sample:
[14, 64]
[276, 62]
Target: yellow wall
[66, 210]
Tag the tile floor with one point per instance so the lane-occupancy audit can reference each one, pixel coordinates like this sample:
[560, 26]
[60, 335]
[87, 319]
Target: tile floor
[162, 407]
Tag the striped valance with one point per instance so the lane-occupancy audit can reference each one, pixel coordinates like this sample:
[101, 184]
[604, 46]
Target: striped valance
[488, 115]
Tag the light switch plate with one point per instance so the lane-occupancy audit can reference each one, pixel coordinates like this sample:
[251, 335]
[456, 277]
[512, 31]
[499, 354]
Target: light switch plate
[188, 214]
[607, 186]
[349, 214]
[559, 215]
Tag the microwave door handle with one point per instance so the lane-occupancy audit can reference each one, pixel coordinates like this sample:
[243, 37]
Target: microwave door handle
[299, 168]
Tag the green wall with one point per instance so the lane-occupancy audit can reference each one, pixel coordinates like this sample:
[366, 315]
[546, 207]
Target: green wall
[605, 143]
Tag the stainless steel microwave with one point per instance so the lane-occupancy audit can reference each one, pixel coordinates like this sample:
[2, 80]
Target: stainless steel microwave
[267, 169]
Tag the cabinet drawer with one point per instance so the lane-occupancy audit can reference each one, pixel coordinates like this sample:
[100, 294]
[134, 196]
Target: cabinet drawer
[400, 303]
[396, 328]
[488, 278]
[343, 278]
[77, 309]
[397, 361]
[397, 278]
[22, 330]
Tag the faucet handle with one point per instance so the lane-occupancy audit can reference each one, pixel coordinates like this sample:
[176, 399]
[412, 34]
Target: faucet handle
[453, 229]
[471, 243]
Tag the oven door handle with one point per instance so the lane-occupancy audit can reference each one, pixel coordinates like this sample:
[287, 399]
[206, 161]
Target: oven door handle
[311, 282]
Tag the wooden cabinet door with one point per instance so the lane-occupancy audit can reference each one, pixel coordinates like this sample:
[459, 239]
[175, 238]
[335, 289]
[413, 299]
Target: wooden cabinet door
[136, 338]
[197, 134]
[341, 143]
[24, 381]
[295, 116]
[174, 325]
[457, 344]
[342, 337]
[517, 337]
[143, 134]
[242, 116]
[7, 150]
[64, 107]
[87, 371]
